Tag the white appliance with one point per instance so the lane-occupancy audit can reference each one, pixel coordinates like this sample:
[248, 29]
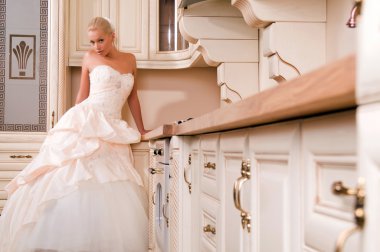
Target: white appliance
[160, 182]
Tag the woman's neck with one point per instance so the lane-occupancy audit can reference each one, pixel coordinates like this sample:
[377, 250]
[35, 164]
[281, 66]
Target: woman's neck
[112, 53]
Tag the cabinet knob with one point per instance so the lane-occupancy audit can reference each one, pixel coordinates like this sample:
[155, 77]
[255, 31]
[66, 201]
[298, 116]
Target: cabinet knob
[158, 152]
[210, 165]
[209, 229]
[156, 171]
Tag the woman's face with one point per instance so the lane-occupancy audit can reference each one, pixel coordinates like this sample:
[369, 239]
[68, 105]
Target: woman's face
[100, 41]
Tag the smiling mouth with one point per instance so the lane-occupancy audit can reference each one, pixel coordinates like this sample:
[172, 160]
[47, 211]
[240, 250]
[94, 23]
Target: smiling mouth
[99, 52]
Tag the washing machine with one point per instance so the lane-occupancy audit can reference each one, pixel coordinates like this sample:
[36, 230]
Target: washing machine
[159, 176]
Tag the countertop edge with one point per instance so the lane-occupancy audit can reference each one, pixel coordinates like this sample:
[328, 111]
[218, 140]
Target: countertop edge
[327, 89]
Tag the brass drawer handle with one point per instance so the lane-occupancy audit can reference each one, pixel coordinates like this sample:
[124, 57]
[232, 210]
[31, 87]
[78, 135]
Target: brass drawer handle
[20, 156]
[153, 197]
[245, 176]
[210, 165]
[165, 214]
[339, 188]
[187, 181]
[156, 171]
[52, 119]
[209, 229]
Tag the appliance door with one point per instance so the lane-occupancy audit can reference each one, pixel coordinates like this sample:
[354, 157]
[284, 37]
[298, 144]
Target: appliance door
[161, 196]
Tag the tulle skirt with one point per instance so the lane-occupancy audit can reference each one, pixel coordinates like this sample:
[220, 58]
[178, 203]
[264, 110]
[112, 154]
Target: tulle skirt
[96, 217]
[81, 193]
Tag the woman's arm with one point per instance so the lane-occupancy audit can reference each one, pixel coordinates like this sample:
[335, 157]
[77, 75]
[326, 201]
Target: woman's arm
[134, 103]
[84, 88]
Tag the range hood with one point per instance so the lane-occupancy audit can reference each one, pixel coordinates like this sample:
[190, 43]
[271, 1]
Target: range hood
[186, 3]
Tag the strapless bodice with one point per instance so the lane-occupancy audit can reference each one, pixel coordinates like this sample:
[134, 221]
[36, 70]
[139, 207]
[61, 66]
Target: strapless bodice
[109, 90]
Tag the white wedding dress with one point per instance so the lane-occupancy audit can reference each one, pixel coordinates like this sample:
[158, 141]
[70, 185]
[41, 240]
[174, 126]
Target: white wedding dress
[81, 192]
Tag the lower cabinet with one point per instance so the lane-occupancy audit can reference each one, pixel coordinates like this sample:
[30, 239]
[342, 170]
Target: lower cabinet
[268, 188]
[329, 156]
[16, 152]
[274, 152]
[236, 230]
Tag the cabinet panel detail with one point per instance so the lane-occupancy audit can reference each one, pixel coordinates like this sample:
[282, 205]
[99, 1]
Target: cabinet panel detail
[274, 198]
[329, 151]
[210, 215]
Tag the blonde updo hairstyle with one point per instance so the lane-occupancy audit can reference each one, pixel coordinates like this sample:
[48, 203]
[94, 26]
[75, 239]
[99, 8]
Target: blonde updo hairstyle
[101, 23]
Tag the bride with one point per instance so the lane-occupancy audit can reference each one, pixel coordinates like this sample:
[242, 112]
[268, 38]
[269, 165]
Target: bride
[82, 192]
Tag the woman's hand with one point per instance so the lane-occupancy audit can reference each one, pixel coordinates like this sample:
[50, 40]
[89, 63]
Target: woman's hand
[143, 132]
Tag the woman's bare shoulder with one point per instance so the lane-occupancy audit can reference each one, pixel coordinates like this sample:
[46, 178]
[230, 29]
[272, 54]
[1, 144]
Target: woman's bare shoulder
[88, 57]
[128, 56]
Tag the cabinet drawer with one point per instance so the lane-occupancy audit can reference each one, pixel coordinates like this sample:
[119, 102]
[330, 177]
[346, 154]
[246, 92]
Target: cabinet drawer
[209, 174]
[210, 224]
[209, 170]
[17, 156]
[13, 166]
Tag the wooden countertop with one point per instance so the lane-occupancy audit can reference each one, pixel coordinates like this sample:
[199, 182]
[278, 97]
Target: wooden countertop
[326, 89]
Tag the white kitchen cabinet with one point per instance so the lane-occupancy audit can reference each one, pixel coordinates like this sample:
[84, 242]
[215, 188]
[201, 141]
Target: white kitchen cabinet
[233, 79]
[154, 39]
[130, 18]
[16, 152]
[237, 190]
[269, 188]
[368, 123]
[329, 155]
[21, 140]
[209, 228]
[275, 188]
[137, 31]
[194, 185]
[180, 203]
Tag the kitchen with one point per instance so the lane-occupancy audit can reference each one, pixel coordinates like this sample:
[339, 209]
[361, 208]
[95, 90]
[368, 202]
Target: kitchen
[250, 175]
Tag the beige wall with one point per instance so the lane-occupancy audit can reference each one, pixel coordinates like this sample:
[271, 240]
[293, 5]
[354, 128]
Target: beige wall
[169, 95]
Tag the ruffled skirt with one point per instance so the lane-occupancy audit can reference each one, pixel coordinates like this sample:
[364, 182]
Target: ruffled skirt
[81, 193]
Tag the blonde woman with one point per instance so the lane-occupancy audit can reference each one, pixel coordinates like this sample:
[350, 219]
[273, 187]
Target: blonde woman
[81, 192]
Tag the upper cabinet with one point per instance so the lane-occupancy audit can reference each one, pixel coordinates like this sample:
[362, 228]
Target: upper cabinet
[166, 42]
[299, 36]
[130, 18]
[146, 28]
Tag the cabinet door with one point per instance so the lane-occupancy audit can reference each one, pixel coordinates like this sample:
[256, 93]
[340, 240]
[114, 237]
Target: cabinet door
[209, 217]
[131, 26]
[81, 12]
[180, 203]
[369, 168]
[155, 33]
[328, 156]
[274, 151]
[194, 180]
[233, 150]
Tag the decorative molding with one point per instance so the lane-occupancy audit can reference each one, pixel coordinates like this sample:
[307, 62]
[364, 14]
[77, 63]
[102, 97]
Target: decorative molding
[262, 13]
[3, 18]
[41, 126]
[248, 14]
[62, 97]
[44, 17]
[21, 48]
